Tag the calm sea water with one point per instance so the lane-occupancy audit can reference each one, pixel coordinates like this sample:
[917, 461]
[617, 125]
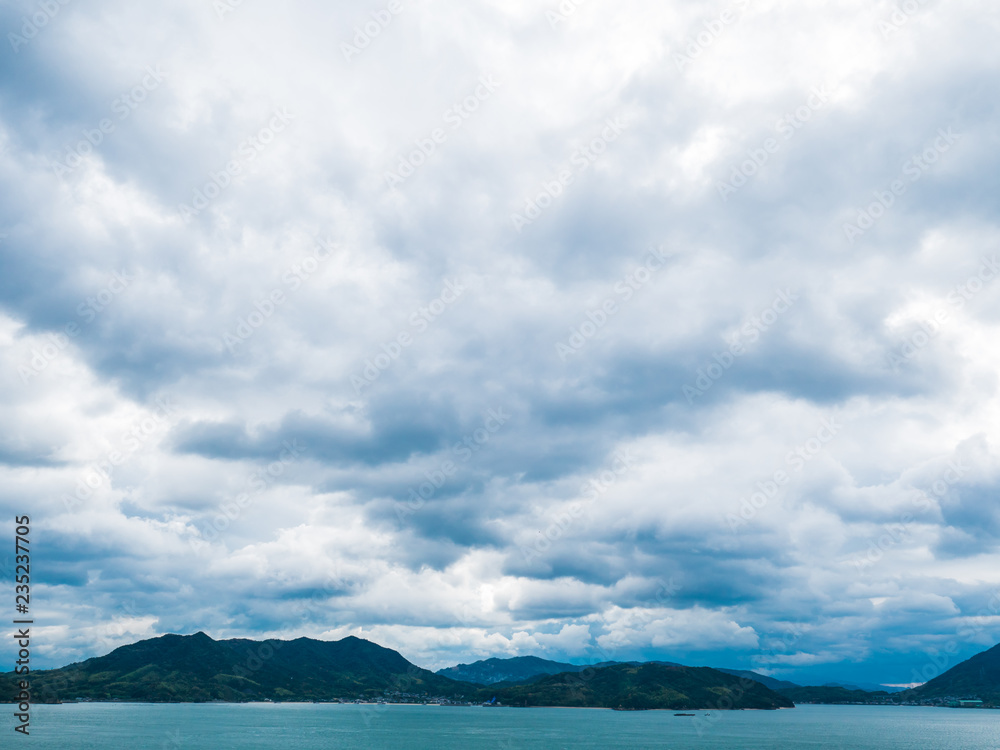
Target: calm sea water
[308, 726]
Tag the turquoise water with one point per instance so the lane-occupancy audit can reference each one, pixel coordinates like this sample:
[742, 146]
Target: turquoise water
[307, 726]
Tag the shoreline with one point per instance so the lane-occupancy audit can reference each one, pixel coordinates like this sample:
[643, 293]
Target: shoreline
[479, 705]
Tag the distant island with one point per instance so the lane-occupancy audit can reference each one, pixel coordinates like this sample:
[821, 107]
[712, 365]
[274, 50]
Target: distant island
[645, 686]
[197, 668]
[514, 670]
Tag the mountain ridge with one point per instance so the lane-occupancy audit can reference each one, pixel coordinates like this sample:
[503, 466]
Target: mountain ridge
[646, 686]
[523, 669]
[197, 668]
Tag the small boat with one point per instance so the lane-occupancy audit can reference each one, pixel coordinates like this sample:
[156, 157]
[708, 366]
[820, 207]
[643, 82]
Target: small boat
[683, 714]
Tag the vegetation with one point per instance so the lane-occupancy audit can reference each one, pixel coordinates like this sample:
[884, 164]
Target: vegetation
[645, 686]
[196, 668]
[764, 680]
[978, 677]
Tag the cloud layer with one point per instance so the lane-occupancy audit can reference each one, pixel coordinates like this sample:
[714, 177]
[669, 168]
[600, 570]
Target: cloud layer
[649, 330]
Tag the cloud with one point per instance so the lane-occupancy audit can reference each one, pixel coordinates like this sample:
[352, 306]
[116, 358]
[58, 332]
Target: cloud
[607, 375]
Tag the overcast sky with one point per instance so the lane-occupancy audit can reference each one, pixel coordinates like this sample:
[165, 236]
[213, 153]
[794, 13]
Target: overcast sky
[658, 330]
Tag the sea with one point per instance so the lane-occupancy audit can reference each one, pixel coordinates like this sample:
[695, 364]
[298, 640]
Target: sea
[304, 726]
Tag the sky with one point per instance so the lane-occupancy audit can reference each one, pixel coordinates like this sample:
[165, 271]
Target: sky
[588, 330]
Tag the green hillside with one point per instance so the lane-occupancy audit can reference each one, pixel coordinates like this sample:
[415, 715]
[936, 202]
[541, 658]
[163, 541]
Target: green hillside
[977, 677]
[198, 668]
[645, 686]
